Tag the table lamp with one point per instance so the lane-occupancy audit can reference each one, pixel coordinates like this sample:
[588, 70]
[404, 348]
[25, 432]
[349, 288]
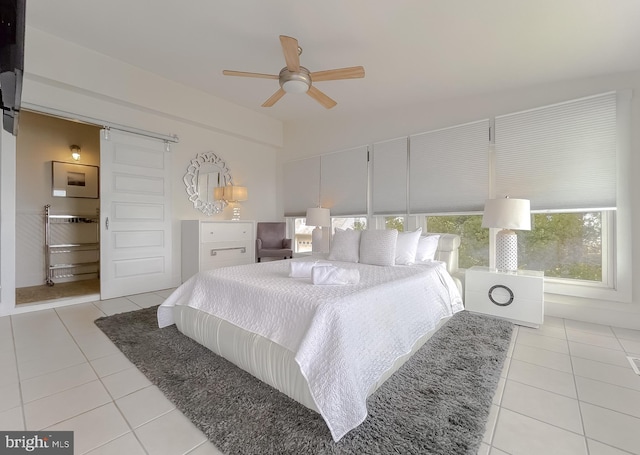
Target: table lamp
[507, 214]
[318, 217]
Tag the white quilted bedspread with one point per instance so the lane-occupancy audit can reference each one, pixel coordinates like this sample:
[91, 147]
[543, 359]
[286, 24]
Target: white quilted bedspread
[344, 337]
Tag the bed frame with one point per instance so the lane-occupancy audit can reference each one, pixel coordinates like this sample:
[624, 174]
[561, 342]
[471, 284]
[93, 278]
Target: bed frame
[270, 362]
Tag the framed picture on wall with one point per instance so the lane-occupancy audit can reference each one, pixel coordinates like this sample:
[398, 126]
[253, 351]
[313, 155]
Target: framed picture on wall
[74, 180]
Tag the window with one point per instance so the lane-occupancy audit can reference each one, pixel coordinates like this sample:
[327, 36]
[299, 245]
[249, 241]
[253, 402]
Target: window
[474, 239]
[565, 246]
[302, 233]
[302, 236]
[394, 222]
[357, 223]
[565, 158]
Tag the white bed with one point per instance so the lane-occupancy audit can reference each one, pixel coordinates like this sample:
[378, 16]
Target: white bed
[338, 344]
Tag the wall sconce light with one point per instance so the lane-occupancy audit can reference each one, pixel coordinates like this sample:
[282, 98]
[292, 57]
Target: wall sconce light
[232, 195]
[75, 152]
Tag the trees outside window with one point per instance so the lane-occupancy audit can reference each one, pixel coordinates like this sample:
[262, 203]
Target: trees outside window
[394, 222]
[474, 239]
[563, 245]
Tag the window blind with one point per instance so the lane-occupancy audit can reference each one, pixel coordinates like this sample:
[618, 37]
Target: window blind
[343, 182]
[449, 169]
[301, 186]
[389, 177]
[561, 156]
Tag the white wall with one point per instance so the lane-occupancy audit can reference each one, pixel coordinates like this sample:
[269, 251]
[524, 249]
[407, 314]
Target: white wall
[7, 224]
[63, 76]
[310, 138]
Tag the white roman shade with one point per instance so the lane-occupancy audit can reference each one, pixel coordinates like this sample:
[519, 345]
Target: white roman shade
[343, 182]
[449, 169]
[389, 182]
[561, 157]
[301, 186]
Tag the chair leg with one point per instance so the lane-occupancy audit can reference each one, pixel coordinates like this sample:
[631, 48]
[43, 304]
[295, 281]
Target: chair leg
[258, 259]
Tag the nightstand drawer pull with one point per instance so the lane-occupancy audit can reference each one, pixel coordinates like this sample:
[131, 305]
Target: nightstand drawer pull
[500, 286]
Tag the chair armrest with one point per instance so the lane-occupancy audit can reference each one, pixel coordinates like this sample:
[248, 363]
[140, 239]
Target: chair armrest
[258, 244]
[286, 243]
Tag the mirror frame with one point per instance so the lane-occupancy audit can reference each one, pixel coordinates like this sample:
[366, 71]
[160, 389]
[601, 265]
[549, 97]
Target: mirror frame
[190, 180]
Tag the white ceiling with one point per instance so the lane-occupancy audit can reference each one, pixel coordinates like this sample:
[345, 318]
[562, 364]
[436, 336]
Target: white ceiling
[413, 51]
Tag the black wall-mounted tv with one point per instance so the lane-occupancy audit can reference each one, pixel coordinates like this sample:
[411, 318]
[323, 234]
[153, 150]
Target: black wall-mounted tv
[12, 27]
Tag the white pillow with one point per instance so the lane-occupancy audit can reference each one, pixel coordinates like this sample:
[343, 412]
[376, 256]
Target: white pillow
[378, 246]
[427, 247]
[407, 246]
[345, 246]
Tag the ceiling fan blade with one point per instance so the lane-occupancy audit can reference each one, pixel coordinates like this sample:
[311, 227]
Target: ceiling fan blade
[244, 74]
[321, 97]
[353, 72]
[291, 55]
[274, 98]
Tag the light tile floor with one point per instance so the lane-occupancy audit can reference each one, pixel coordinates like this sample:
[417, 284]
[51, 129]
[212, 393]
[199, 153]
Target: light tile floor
[566, 388]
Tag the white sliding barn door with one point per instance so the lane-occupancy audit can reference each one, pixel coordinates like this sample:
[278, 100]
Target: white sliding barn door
[135, 215]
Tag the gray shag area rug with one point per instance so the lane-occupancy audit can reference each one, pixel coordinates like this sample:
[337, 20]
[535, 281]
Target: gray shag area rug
[438, 402]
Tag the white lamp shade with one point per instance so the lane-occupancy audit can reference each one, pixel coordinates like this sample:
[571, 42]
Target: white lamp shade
[235, 193]
[507, 213]
[318, 216]
[218, 193]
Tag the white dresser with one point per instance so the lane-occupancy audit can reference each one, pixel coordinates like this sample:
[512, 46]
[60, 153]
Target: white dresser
[518, 297]
[207, 245]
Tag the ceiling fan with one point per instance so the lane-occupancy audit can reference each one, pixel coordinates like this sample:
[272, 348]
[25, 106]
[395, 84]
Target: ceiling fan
[294, 78]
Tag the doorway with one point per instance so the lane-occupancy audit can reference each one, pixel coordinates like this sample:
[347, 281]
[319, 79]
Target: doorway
[71, 269]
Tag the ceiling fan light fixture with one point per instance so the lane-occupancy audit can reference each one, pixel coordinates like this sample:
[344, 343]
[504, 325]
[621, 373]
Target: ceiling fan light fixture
[295, 86]
[292, 82]
[294, 78]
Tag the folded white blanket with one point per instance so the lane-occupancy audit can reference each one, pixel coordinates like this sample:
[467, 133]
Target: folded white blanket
[334, 275]
[302, 269]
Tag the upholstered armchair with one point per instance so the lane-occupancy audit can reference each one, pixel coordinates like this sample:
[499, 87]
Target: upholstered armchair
[271, 241]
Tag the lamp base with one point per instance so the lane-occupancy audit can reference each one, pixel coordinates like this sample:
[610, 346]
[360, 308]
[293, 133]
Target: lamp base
[236, 213]
[316, 240]
[506, 251]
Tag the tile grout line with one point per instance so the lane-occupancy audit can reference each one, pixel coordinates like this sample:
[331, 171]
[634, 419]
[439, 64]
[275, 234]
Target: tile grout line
[21, 396]
[575, 385]
[547, 423]
[580, 403]
[113, 400]
[15, 359]
[584, 435]
[513, 340]
[101, 382]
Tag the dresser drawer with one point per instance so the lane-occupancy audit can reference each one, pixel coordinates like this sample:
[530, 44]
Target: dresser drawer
[225, 232]
[517, 297]
[520, 309]
[218, 254]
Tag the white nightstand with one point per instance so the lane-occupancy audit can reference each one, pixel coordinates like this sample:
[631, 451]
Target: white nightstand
[518, 297]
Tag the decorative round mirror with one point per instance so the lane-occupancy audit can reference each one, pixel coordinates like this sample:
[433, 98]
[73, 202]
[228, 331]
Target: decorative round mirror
[205, 173]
